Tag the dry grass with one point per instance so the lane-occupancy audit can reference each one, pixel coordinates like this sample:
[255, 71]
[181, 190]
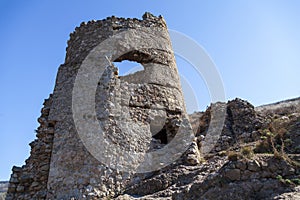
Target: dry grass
[234, 156]
[247, 152]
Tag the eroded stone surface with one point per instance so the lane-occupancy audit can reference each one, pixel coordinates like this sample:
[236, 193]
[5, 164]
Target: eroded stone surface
[139, 114]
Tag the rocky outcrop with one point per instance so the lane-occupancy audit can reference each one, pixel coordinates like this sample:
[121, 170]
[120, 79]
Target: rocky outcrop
[233, 172]
[3, 186]
[3, 189]
[241, 125]
[243, 179]
[282, 108]
[260, 178]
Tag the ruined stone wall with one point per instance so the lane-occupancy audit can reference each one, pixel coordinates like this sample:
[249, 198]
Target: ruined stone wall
[30, 180]
[141, 112]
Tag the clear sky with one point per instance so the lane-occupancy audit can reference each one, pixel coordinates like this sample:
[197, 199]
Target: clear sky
[254, 44]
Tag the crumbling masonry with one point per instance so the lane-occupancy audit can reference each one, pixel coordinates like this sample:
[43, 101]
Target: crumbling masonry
[139, 113]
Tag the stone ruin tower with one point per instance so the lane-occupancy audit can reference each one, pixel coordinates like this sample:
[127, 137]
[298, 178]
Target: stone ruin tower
[141, 113]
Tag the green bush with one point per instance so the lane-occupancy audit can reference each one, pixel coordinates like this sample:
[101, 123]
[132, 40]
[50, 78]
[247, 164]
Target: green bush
[296, 181]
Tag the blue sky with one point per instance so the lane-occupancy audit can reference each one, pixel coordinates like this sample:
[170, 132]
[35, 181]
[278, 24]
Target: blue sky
[254, 44]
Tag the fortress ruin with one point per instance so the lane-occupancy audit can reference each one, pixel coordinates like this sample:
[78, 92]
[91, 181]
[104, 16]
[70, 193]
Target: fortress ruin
[140, 113]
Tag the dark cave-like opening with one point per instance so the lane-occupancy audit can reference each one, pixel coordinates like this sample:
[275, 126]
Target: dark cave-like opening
[162, 136]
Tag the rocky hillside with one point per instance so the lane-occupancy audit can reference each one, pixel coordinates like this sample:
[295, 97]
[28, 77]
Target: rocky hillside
[256, 156]
[280, 108]
[3, 189]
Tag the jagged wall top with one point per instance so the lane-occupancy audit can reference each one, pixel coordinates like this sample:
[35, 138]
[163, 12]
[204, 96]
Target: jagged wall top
[90, 34]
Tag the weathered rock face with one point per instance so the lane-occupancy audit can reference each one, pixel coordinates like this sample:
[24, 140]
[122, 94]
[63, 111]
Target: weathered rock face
[283, 118]
[30, 181]
[240, 126]
[241, 175]
[263, 177]
[3, 189]
[139, 113]
[244, 179]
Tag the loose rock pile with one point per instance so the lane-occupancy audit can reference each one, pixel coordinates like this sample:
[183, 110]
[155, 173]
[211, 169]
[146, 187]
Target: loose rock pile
[240, 126]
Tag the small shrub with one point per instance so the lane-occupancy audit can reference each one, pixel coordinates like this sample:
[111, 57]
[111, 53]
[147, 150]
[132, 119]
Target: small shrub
[288, 141]
[247, 152]
[281, 132]
[274, 139]
[262, 146]
[234, 156]
[288, 181]
[296, 181]
[279, 178]
[263, 137]
[269, 134]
